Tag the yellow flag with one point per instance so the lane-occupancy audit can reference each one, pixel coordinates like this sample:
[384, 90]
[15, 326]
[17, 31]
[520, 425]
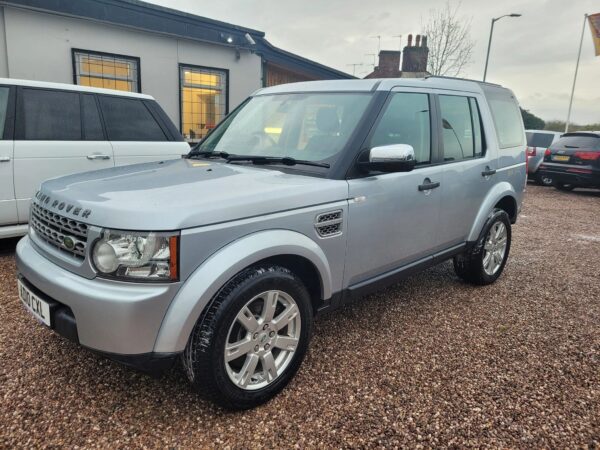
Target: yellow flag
[595, 28]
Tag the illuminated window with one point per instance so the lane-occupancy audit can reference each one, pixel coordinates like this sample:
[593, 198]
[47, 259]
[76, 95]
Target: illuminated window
[203, 100]
[106, 71]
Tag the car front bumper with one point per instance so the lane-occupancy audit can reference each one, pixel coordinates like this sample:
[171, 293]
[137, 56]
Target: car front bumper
[118, 319]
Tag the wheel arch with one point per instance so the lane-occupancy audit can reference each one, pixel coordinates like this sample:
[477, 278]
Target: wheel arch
[290, 249]
[501, 196]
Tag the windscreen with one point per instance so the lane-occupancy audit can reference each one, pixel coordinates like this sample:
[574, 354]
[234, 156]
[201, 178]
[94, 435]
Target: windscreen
[308, 126]
[539, 139]
[582, 142]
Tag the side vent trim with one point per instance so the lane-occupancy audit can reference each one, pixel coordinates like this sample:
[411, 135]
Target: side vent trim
[329, 224]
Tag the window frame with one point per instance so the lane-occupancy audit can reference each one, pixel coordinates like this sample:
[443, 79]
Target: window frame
[180, 67]
[440, 130]
[135, 59]
[434, 136]
[8, 133]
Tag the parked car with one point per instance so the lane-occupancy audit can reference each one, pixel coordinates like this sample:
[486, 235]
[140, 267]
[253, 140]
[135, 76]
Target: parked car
[537, 143]
[307, 196]
[52, 129]
[573, 161]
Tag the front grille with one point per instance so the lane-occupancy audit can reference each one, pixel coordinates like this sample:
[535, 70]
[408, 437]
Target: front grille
[53, 228]
[329, 224]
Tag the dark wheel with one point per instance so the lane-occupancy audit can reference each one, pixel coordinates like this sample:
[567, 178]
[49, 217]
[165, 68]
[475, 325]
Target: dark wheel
[252, 338]
[544, 180]
[564, 187]
[484, 262]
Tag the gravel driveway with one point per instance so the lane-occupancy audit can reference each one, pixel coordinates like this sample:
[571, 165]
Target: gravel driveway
[430, 362]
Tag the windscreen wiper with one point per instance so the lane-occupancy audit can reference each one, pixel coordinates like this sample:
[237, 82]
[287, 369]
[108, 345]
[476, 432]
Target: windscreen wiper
[208, 154]
[285, 160]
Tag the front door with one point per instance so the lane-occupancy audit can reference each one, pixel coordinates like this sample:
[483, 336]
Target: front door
[391, 221]
[8, 208]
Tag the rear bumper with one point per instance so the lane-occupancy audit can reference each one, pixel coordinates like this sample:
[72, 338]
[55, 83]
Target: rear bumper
[571, 175]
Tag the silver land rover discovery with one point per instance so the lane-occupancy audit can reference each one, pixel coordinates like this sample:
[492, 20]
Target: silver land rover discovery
[304, 198]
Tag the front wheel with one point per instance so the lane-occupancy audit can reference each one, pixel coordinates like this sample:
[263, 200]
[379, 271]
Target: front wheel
[484, 262]
[252, 339]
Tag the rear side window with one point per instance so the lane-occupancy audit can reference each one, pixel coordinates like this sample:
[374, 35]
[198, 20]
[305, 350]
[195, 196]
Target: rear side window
[128, 119]
[539, 139]
[4, 92]
[50, 115]
[507, 117]
[406, 120]
[577, 142]
[461, 128]
[92, 126]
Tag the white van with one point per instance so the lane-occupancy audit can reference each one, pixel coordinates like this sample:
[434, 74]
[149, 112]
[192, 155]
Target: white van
[52, 129]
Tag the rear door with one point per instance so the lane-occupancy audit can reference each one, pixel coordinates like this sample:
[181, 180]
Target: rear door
[57, 133]
[136, 132]
[576, 152]
[467, 164]
[8, 207]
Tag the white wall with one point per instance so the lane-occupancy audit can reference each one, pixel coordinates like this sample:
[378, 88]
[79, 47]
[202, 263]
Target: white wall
[38, 47]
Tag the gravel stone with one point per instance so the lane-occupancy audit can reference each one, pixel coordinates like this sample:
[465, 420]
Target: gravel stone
[430, 362]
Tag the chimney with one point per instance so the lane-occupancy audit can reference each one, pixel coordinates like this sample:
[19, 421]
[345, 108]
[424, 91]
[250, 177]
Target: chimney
[389, 63]
[414, 58]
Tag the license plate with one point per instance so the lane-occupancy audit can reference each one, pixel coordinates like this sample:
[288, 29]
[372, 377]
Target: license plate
[560, 158]
[35, 305]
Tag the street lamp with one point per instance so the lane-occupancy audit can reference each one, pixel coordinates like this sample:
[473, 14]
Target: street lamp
[487, 58]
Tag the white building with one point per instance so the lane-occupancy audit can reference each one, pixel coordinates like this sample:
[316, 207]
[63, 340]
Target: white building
[198, 69]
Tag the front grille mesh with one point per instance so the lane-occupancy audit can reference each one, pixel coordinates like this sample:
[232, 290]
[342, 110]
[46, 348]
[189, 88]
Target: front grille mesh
[53, 228]
[329, 224]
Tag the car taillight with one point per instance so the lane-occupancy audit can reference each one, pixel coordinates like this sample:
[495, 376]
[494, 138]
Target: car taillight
[587, 156]
[547, 152]
[530, 151]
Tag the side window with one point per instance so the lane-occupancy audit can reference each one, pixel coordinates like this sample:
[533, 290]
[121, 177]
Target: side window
[507, 118]
[92, 126]
[128, 119]
[4, 91]
[461, 128]
[50, 115]
[406, 120]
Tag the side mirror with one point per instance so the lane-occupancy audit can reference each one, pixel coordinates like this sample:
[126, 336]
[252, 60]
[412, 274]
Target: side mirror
[390, 158]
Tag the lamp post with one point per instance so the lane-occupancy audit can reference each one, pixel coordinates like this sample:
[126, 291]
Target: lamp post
[494, 20]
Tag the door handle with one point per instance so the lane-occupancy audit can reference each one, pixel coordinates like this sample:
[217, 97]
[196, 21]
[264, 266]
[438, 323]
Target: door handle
[93, 157]
[4, 159]
[488, 172]
[428, 185]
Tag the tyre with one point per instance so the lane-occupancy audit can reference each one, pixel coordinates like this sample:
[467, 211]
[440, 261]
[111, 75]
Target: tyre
[251, 339]
[544, 180]
[564, 187]
[484, 262]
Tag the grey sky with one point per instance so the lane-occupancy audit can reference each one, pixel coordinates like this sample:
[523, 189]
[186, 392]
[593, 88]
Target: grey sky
[534, 55]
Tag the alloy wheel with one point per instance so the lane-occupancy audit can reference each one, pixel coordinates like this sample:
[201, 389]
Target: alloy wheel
[495, 245]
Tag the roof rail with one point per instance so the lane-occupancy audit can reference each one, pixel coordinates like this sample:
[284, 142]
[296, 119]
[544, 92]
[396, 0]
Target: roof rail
[461, 79]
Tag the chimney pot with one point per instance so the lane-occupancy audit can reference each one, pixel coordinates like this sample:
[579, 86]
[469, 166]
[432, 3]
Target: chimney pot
[409, 40]
[418, 41]
[424, 41]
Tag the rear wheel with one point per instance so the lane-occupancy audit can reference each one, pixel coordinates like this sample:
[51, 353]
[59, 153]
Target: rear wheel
[484, 262]
[544, 180]
[564, 187]
[252, 339]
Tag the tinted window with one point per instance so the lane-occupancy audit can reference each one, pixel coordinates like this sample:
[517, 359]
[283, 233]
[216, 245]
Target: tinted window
[539, 139]
[461, 128]
[128, 119]
[3, 104]
[507, 118]
[51, 115]
[406, 121]
[92, 127]
[581, 142]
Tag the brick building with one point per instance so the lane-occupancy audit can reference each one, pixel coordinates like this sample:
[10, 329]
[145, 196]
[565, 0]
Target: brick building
[414, 61]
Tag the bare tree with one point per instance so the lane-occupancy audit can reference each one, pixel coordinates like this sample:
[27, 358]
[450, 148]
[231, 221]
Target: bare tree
[449, 41]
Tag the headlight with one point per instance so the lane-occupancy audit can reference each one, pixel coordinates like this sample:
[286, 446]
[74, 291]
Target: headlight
[137, 256]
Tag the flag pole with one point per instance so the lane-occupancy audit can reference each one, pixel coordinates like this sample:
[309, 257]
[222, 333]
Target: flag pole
[575, 77]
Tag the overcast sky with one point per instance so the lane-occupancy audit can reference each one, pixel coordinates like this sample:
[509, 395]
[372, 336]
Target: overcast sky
[534, 55]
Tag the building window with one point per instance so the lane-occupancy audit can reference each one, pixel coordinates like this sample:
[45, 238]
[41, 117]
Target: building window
[203, 100]
[105, 70]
